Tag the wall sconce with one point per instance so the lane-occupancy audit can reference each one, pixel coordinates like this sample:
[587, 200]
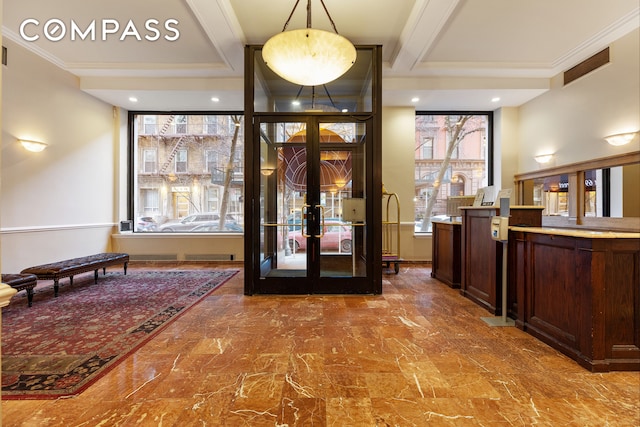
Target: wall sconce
[267, 171]
[620, 138]
[543, 158]
[34, 146]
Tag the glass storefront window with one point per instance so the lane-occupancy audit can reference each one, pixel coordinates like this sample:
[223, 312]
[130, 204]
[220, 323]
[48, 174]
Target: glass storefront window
[451, 160]
[187, 173]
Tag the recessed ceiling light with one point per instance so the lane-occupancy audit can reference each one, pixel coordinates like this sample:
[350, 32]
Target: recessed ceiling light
[415, 99]
[133, 99]
[495, 99]
[296, 102]
[345, 110]
[215, 99]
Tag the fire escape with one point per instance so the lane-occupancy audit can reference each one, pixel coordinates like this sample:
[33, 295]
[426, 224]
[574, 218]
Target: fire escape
[174, 150]
[177, 146]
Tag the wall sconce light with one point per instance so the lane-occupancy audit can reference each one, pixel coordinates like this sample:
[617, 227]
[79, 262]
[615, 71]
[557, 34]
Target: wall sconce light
[34, 146]
[620, 138]
[267, 171]
[543, 158]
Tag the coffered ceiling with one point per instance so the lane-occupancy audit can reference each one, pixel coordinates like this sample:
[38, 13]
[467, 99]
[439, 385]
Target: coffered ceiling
[451, 54]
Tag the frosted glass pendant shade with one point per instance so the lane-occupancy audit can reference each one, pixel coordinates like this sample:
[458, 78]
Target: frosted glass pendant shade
[309, 57]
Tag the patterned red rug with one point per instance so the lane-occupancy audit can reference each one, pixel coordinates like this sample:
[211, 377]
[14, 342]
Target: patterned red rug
[61, 346]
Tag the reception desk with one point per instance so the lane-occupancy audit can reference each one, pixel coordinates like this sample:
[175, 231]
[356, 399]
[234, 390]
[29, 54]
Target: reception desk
[481, 262]
[446, 254]
[579, 292]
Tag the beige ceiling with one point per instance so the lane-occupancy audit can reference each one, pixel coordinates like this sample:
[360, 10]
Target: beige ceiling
[452, 54]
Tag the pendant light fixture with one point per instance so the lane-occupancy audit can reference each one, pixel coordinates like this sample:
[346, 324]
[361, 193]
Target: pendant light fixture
[309, 57]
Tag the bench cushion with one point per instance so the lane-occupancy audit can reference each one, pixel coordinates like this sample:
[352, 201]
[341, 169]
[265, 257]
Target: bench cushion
[71, 267]
[21, 282]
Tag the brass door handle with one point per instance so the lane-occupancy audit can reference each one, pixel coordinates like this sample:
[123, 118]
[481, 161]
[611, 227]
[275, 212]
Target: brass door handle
[304, 210]
[321, 210]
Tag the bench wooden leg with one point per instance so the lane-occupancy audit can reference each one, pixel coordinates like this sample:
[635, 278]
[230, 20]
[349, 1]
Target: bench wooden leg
[125, 268]
[95, 276]
[55, 287]
[104, 271]
[30, 296]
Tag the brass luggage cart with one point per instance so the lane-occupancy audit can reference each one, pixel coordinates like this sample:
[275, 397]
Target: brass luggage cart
[391, 231]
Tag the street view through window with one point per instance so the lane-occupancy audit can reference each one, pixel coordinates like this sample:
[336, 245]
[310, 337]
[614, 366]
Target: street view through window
[188, 173]
[451, 160]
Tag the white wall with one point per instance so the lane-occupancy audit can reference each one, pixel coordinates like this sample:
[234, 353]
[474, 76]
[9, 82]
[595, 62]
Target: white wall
[571, 121]
[398, 176]
[505, 130]
[57, 203]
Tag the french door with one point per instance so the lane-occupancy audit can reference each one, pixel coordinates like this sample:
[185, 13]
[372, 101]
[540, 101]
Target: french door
[311, 211]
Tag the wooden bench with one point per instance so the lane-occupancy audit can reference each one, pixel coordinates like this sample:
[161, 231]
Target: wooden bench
[71, 267]
[22, 282]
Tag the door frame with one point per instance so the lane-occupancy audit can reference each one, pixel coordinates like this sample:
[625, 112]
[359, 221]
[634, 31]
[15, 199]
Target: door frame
[254, 69]
[311, 281]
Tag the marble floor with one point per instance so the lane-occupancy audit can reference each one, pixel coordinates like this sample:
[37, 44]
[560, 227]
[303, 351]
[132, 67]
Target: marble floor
[418, 355]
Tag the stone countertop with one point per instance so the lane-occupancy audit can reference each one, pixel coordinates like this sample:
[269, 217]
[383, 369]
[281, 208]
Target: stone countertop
[498, 207]
[590, 234]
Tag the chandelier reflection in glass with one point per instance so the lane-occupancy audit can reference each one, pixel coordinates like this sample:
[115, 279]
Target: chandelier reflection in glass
[309, 57]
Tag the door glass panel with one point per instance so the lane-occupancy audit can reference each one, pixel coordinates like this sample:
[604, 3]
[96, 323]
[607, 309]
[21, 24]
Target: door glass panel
[283, 191]
[342, 133]
[305, 187]
[342, 187]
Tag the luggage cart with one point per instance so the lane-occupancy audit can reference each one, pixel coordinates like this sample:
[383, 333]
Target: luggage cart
[391, 231]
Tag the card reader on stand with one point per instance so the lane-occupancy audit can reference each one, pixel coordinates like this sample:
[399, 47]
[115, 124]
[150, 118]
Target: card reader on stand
[500, 232]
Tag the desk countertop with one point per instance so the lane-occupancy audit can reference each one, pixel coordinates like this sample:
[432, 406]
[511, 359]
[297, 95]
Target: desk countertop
[571, 232]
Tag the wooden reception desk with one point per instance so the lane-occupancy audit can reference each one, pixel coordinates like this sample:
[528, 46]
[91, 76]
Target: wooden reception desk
[445, 252]
[579, 291]
[481, 262]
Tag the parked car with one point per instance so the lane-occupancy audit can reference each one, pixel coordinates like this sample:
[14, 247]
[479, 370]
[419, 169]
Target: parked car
[189, 222]
[336, 237]
[215, 226]
[146, 223]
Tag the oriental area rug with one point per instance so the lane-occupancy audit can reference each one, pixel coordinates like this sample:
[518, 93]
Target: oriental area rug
[60, 346]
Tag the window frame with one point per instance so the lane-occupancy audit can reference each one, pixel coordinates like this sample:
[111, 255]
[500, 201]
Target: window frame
[145, 163]
[135, 157]
[177, 161]
[486, 153]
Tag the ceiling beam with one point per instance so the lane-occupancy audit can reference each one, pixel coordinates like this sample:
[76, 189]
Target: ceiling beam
[425, 22]
[221, 26]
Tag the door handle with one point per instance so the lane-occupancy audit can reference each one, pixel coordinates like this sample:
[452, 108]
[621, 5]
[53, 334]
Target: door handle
[304, 211]
[321, 211]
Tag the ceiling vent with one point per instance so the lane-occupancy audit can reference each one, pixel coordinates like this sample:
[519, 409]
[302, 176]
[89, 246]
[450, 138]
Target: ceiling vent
[588, 65]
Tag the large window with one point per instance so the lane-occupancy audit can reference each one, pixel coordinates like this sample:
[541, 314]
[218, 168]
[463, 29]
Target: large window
[451, 160]
[187, 172]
